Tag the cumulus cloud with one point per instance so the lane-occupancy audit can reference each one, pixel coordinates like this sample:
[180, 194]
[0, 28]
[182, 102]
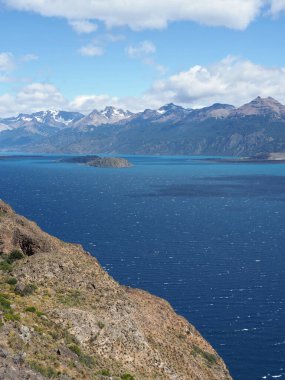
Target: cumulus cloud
[92, 50]
[141, 14]
[32, 98]
[232, 80]
[83, 26]
[7, 62]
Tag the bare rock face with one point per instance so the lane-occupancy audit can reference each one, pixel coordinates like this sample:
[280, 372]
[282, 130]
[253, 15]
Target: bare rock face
[71, 320]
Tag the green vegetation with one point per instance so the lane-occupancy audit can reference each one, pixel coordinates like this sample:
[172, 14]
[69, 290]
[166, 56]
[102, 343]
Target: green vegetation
[12, 281]
[84, 359]
[5, 307]
[105, 372]
[31, 309]
[26, 290]
[76, 349]
[71, 299]
[15, 256]
[48, 372]
[101, 325]
[127, 376]
[5, 266]
[12, 317]
[210, 358]
[5, 304]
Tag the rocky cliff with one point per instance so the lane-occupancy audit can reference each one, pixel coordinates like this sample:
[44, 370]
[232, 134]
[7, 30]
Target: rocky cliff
[63, 317]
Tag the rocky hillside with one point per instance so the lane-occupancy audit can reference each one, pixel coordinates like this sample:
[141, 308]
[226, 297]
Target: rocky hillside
[63, 317]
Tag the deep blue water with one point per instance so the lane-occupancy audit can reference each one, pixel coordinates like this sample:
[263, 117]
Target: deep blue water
[208, 237]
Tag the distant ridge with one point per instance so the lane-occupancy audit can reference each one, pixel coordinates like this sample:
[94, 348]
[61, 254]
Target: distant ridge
[220, 129]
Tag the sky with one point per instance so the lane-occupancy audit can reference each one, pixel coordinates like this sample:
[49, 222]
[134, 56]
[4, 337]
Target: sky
[134, 54]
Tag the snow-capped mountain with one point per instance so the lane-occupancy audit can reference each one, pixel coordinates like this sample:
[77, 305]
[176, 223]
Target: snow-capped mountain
[51, 118]
[109, 115]
[258, 126]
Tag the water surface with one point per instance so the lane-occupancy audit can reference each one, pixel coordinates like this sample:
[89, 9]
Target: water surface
[208, 237]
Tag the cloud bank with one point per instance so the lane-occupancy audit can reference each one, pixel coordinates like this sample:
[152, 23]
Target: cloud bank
[142, 14]
[232, 80]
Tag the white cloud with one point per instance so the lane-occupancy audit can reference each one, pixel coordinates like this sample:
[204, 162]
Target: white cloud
[92, 50]
[141, 50]
[96, 47]
[144, 51]
[277, 6]
[141, 14]
[7, 62]
[32, 98]
[232, 80]
[29, 58]
[86, 103]
[83, 26]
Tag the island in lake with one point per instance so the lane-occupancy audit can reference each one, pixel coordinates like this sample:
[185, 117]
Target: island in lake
[100, 162]
[260, 158]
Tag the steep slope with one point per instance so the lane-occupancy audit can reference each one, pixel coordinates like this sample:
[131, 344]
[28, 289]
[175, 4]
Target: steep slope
[63, 317]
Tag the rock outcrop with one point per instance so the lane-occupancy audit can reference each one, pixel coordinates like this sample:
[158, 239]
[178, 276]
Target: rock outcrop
[110, 162]
[99, 162]
[63, 317]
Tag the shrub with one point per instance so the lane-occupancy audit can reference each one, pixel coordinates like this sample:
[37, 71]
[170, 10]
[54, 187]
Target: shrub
[71, 299]
[5, 304]
[31, 309]
[14, 256]
[74, 348]
[127, 376]
[105, 372]
[5, 266]
[12, 281]
[48, 372]
[211, 358]
[84, 359]
[101, 325]
[25, 290]
[12, 317]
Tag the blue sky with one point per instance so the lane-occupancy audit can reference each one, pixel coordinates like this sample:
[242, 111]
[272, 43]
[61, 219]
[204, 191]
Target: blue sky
[79, 56]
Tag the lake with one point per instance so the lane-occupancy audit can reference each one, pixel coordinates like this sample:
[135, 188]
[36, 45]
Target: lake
[208, 237]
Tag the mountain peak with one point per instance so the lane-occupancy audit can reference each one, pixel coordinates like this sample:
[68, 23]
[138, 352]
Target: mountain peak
[109, 115]
[262, 107]
[111, 112]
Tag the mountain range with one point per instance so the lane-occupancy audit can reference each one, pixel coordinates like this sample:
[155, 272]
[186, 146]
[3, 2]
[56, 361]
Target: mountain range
[221, 129]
